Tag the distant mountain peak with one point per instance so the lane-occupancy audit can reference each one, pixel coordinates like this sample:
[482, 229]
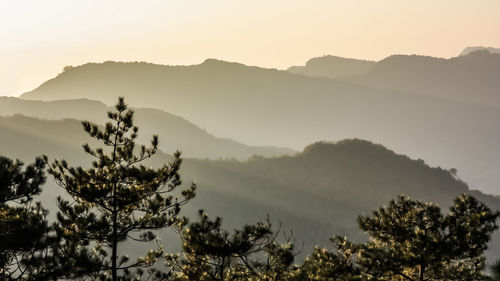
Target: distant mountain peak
[347, 145]
[333, 59]
[470, 50]
[332, 67]
[218, 62]
[406, 59]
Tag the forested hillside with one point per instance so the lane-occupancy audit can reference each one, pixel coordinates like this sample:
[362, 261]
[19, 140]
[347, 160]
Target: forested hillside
[183, 135]
[315, 193]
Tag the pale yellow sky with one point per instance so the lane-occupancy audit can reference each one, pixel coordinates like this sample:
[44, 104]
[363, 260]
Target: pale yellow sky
[39, 38]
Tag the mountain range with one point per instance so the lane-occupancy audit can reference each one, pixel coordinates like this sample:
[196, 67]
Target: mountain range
[468, 78]
[446, 111]
[422, 106]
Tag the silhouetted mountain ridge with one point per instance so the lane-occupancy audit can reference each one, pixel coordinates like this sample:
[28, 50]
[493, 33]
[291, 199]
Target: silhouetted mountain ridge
[469, 79]
[469, 50]
[426, 107]
[217, 63]
[181, 133]
[330, 161]
[332, 67]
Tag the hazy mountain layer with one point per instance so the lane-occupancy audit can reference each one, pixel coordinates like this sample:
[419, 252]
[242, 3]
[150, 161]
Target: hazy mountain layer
[316, 193]
[471, 77]
[469, 50]
[333, 67]
[177, 132]
[270, 107]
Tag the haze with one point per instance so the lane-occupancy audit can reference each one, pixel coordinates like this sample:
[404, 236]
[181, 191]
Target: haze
[306, 115]
[39, 38]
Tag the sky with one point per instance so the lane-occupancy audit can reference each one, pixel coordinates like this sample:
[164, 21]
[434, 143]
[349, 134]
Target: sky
[39, 38]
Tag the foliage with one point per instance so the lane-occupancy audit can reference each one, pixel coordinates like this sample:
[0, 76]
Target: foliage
[211, 253]
[412, 240]
[24, 230]
[331, 265]
[116, 200]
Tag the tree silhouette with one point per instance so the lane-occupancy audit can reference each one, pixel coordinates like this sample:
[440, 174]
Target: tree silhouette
[329, 265]
[211, 253]
[118, 199]
[24, 231]
[411, 240]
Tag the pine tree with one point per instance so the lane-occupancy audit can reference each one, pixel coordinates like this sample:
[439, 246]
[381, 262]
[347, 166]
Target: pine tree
[211, 253]
[331, 265]
[24, 230]
[411, 240]
[118, 199]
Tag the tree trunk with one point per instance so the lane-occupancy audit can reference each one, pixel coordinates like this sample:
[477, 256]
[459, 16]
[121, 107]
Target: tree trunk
[421, 273]
[114, 237]
[115, 245]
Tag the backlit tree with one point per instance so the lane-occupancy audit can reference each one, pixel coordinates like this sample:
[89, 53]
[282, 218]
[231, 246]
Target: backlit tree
[118, 199]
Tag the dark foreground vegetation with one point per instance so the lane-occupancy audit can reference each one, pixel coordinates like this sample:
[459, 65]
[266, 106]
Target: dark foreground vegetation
[118, 199]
